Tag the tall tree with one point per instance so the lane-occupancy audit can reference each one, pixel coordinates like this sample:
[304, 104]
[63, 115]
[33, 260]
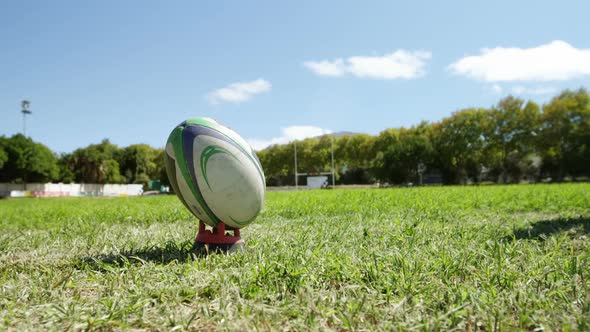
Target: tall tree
[278, 164]
[510, 133]
[27, 161]
[459, 143]
[385, 147]
[138, 163]
[356, 151]
[3, 153]
[160, 171]
[564, 137]
[353, 155]
[66, 174]
[406, 159]
[96, 163]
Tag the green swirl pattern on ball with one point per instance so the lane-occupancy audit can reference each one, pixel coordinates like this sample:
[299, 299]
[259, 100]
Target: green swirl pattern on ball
[232, 136]
[209, 152]
[176, 140]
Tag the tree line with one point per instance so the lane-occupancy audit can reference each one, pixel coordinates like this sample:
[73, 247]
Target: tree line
[512, 141]
[24, 161]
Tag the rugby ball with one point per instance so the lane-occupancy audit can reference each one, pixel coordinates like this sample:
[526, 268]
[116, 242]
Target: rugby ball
[215, 173]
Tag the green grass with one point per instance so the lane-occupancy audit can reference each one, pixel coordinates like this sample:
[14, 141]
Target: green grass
[444, 258]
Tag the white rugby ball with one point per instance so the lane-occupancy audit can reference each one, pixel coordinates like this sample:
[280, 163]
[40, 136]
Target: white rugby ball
[215, 173]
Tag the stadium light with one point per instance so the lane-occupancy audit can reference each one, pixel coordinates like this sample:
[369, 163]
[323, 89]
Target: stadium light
[333, 175]
[295, 147]
[25, 104]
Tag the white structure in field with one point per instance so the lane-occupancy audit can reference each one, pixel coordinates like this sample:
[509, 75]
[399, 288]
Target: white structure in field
[69, 189]
[332, 172]
[317, 182]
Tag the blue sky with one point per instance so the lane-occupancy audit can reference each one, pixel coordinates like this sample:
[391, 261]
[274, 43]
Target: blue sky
[131, 70]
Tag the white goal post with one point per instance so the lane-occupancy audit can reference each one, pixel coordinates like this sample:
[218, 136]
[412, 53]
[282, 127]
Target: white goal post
[297, 174]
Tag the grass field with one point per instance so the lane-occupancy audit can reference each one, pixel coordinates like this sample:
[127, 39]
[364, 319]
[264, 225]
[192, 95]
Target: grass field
[444, 258]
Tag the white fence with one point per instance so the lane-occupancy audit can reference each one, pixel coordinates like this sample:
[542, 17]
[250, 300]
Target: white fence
[69, 189]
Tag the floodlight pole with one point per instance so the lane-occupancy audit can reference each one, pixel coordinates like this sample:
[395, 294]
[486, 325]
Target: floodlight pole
[295, 146]
[333, 175]
[25, 110]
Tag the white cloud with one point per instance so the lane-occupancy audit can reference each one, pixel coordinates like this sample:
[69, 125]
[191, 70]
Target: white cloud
[333, 68]
[239, 92]
[540, 90]
[556, 61]
[400, 64]
[289, 134]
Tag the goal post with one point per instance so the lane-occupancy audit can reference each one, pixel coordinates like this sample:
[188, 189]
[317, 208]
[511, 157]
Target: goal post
[332, 171]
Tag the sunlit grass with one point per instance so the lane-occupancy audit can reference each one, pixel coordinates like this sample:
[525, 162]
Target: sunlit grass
[510, 257]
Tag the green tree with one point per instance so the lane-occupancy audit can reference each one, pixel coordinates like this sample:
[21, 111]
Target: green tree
[405, 160]
[272, 161]
[510, 133]
[278, 164]
[353, 155]
[356, 151]
[564, 138]
[3, 153]
[139, 163]
[66, 175]
[160, 171]
[316, 154]
[307, 156]
[385, 148]
[96, 163]
[27, 161]
[459, 143]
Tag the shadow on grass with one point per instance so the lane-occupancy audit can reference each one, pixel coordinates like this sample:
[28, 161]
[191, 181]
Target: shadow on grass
[170, 252]
[545, 228]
